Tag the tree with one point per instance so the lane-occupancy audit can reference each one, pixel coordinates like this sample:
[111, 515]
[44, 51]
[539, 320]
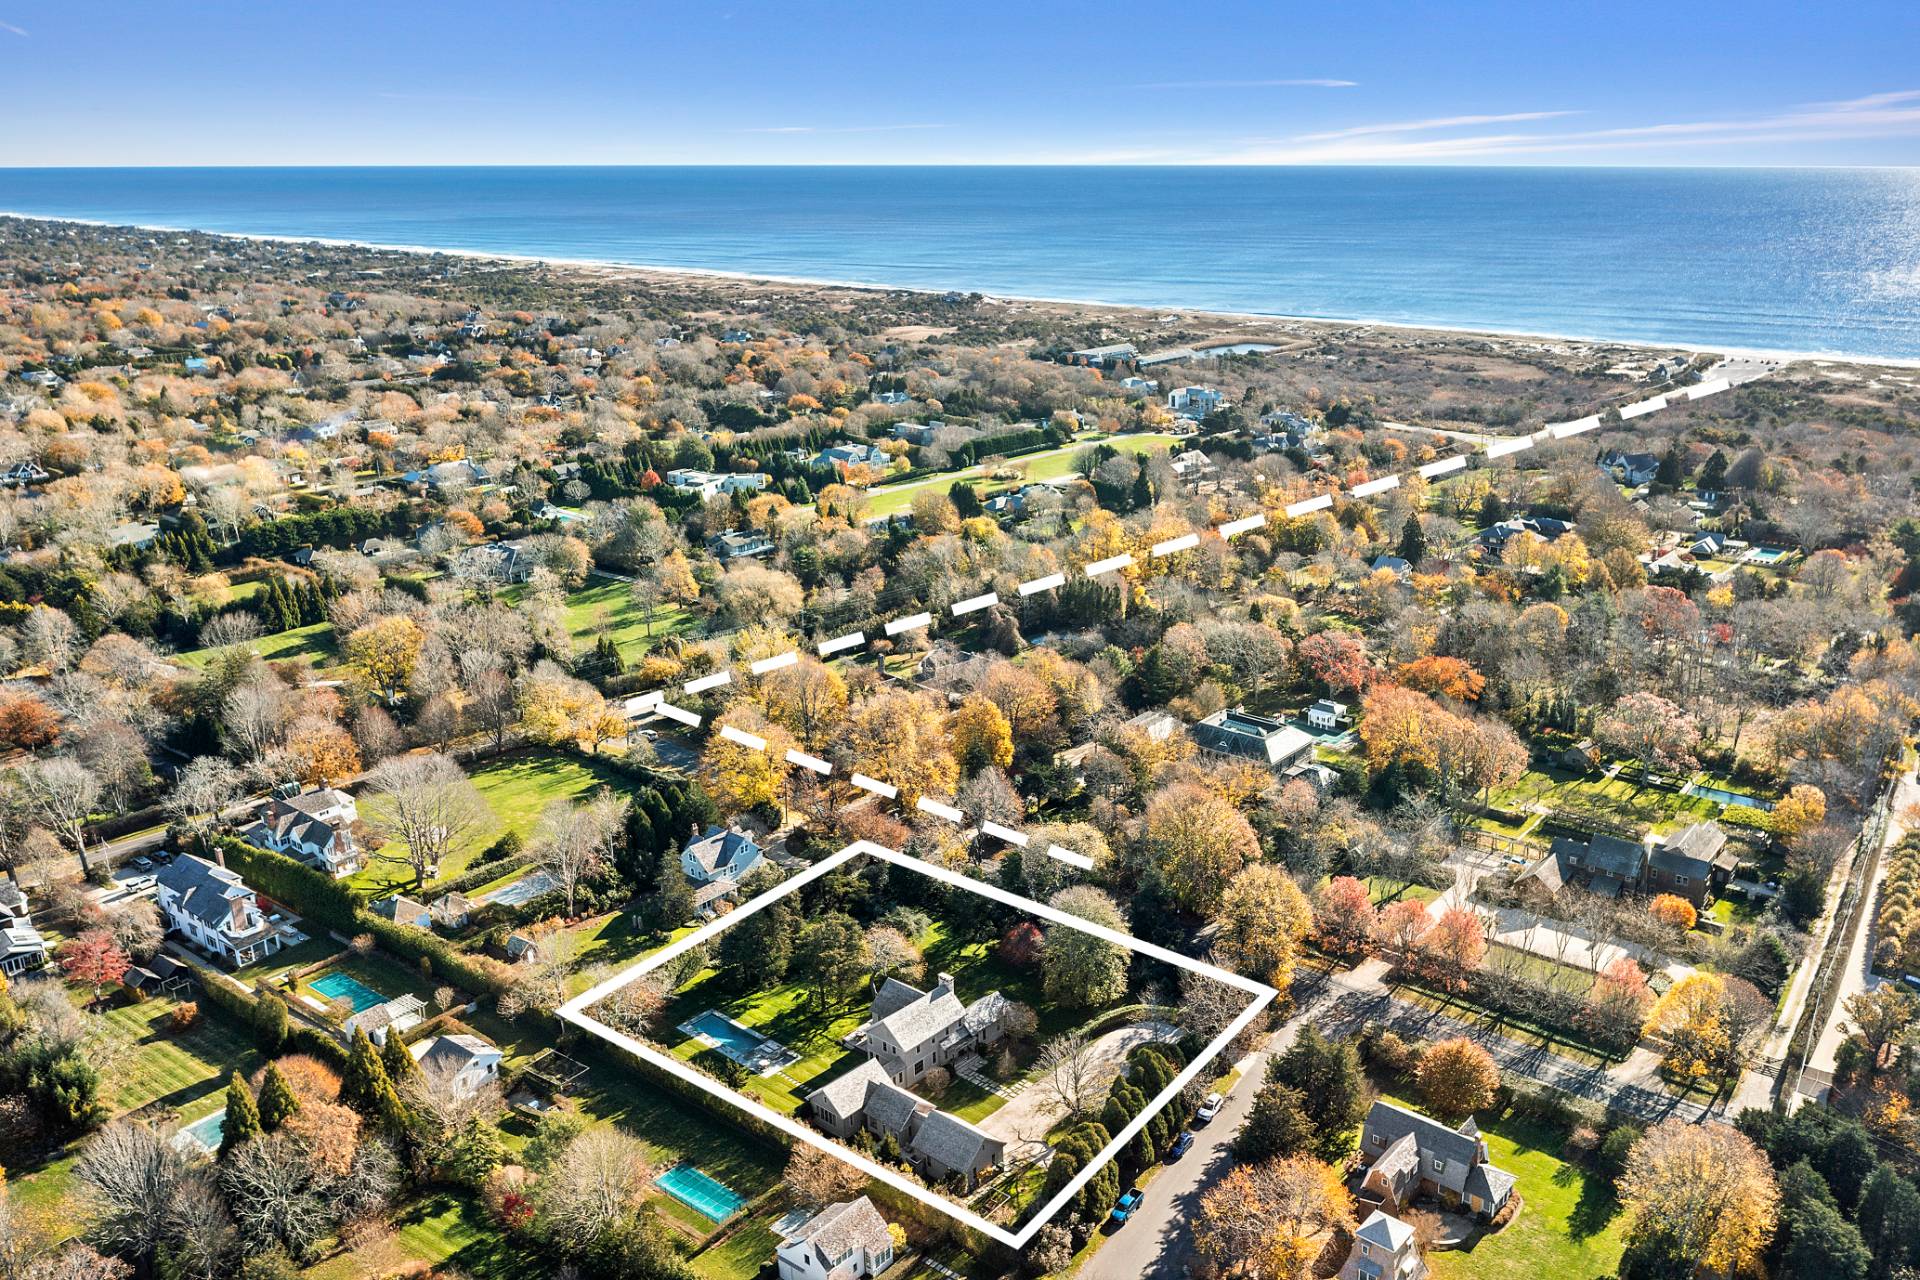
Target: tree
[1199, 842]
[323, 753]
[270, 1023]
[1344, 916]
[277, 1099]
[1263, 917]
[572, 841]
[242, 1120]
[425, 803]
[1277, 1124]
[1413, 540]
[1079, 968]
[201, 792]
[739, 776]
[1673, 910]
[93, 958]
[834, 959]
[61, 793]
[1648, 728]
[1882, 1018]
[900, 738]
[808, 700]
[1069, 1072]
[1889, 1221]
[128, 1178]
[365, 1086]
[1617, 1004]
[1267, 1219]
[817, 1179]
[1800, 810]
[597, 1180]
[1399, 928]
[982, 738]
[1328, 1077]
[278, 1201]
[1691, 1019]
[1442, 678]
[1457, 1078]
[1453, 948]
[385, 652]
[1704, 1189]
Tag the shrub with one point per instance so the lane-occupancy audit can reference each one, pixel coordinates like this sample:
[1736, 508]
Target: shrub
[185, 1015]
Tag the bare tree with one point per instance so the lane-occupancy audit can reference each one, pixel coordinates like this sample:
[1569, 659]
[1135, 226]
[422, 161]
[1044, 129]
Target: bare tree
[598, 1179]
[202, 792]
[254, 715]
[571, 841]
[425, 803]
[276, 1200]
[129, 1178]
[239, 626]
[62, 793]
[1068, 1073]
[441, 1102]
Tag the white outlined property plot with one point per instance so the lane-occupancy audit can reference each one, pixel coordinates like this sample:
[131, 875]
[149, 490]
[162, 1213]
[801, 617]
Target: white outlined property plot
[575, 1011]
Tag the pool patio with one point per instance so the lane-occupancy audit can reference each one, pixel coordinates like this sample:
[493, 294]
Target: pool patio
[757, 1053]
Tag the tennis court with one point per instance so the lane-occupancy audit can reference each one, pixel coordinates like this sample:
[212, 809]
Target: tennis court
[700, 1193]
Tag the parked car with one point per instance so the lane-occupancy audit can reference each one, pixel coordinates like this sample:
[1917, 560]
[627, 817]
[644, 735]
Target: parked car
[141, 861]
[1128, 1203]
[1211, 1107]
[1181, 1145]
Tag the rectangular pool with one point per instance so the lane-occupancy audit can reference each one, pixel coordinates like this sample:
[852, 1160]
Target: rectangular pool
[704, 1195]
[344, 986]
[204, 1133]
[747, 1047]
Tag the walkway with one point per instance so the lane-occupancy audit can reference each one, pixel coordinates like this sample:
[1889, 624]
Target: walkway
[1023, 1124]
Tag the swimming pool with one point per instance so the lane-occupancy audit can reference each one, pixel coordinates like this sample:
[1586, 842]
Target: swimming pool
[343, 986]
[1724, 797]
[697, 1191]
[749, 1048]
[204, 1133]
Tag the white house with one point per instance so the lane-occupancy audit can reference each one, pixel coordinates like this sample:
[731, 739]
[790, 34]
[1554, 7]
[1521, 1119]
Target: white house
[212, 908]
[315, 827]
[466, 1061]
[21, 946]
[843, 1241]
[1194, 402]
[401, 1014]
[841, 456]
[1326, 714]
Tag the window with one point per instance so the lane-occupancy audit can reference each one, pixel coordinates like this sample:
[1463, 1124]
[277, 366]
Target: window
[1379, 1139]
[1439, 1165]
[1364, 1251]
[1679, 879]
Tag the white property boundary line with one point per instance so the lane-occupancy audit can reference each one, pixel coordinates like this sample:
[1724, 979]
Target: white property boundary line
[575, 1011]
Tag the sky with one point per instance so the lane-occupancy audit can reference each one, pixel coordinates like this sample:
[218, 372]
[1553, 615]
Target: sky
[1548, 82]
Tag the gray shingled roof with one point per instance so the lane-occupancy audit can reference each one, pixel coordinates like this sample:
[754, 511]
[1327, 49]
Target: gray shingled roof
[1433, 1137]
[950, 1141]
[455, 1052]
[840, 1228]
[1385, 1230]
[1250, 737]
[1614, 856]
[893, 996]
[846, 1096]
[889, 1108]
[916, 1023]
[204, 891]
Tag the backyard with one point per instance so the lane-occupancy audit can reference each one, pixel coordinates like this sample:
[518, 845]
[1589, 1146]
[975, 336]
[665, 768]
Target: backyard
[1049, 465]
[313, 643]
[1613, 798]
[607, 605]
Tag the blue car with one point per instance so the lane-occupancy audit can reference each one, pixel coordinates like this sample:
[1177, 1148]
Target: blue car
[1181, 1145]
[1128, 1203]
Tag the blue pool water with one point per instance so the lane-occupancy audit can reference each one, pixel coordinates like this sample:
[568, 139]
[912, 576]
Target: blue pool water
[207, 1131]
[735, 1041]
[341, 986]
[696, 1190]
[1724, 797]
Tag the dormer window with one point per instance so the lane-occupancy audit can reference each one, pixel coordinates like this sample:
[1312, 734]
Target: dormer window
[1439, 1165]
[1366, 1250]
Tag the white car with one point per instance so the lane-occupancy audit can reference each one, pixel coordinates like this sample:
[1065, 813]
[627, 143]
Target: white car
[1211, 1107]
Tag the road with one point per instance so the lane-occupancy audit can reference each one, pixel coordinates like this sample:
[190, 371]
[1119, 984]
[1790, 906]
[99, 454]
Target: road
[1856, 973]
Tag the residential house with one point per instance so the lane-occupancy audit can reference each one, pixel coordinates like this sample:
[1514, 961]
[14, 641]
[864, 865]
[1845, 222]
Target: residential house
[457, 474]
[21, 474]
[22, 949]
[315, 827]
[1194, 402]
[1244, 736]
[1406, 1155]
[937, 1145]
[910, 1031]
[212, 908]
[138, 535]
[404, 910]
[1391, 564]
[717, 862]
[1607, 865]
[844, 1241]
[1694, 863]
[920, 433]
[1156, 724]
[709, 484]
[1383, 1249]
[466, 1061]
[736, 336]
[738, 544]
[1192, 464]
[1327, 714]
[1494, 538]
[452, 910]
[842, 456]
[1140, 386]
[1629, 468]
[495, 562]
[892, 397]
[1104, 357]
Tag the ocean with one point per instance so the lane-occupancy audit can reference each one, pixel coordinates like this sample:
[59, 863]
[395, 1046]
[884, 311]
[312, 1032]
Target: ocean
[1811, 260]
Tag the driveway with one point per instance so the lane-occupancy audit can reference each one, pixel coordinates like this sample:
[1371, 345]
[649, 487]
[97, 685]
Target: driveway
[1027, 1118]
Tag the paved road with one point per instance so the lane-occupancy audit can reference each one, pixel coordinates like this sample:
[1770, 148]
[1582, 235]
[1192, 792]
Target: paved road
[1857, 970]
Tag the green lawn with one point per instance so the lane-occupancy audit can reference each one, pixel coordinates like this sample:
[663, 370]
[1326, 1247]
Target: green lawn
[314, 643]
[606, 604]
[742, 1253]
[515, 788]
[1050, 465]
[1616, 799]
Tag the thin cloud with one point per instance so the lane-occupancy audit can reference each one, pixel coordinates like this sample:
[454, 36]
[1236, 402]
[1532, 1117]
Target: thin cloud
[1251, 84]
[852, 128]
[1425, 126]
[13, 30]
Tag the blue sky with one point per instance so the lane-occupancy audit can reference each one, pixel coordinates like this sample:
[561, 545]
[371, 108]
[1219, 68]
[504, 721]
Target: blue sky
[488, 82]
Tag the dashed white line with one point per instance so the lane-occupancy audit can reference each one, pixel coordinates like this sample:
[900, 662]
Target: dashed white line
[1442, 467]
[705, 683]
[1644, 406]
[1705, 389]
[848, 641]
[1502, 448]
[1310, 505]
[806, 761]
[1371, 487]
[1108, 565]
[876, 786]
[765, 665]
[672, 712]
[1069, 857]
[939, 810]
[975, 604]
[1561, 430]
[908, 623]
[1234, 528]
[1018, 839]
[742, 737]
[1047, 583]
[1173, 546]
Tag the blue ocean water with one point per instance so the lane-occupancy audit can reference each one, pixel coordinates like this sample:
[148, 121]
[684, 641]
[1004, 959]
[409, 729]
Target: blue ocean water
[1804, 260]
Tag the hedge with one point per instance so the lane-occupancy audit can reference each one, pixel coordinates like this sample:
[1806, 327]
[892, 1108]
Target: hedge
[232, 996]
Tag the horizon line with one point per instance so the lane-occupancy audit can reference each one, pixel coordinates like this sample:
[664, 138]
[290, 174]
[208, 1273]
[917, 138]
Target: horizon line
[1474, 163]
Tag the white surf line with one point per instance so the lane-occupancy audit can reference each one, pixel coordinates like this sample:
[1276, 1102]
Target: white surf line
[909, 623]
[1047, 583]
[806, 761]
[1505, 447]
[975, 604]
[742, 737]
[1018, 839]
[1234, 528]
[1705, 389]
[1561, 430]
[1174, 546]
[765, 665]
[1442, 467]
[939, 810]
[1372, 487]
[1309, 505]
[876, 786]
[705, 683]
[851, 640]
[672, 712]
[1644, 406]
[1069, 857]
[1108, 565]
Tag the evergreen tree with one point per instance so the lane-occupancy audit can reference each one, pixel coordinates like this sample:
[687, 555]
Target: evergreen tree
[964, 499]
[242, 1120]
[1889, 1220]
[1713, 472]
[365, 1086]
[1141, 498]
[270, 1024]
[277, 1100]
[400, 1064]
[1333, 1091]
[1277, 1125]
[1413, 541]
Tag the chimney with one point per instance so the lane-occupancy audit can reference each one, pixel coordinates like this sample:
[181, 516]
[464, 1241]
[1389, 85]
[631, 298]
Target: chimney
[943, 983]
[219, 856]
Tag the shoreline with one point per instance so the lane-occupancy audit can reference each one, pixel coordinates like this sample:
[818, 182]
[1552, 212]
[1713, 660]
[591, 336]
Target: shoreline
[746, 277]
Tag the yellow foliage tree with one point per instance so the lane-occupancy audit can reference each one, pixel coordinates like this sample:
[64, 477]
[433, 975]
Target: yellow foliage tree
[900, 738]
[1705, 1188]
[1263, 916]
[1691, 1021]
[385, 651]
[981, 735]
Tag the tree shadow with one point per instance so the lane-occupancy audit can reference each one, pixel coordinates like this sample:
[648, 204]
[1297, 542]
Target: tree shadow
[1597, 1206]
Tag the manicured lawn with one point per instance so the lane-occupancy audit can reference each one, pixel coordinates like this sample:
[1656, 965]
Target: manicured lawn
[743, 1253]
[516, 788]
[1385, 891]
[1617, 799]
[1568, 1226]
[438, 1230]
[1049, 465]
[175, 1070]
[970, 1102]
[314, 643]
[606, 604]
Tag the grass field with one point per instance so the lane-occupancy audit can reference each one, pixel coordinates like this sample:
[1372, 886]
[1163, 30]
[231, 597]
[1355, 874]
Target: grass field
[1614, 798]
[516, 788]
[606, 604]
[314, 644]
[1050, 465]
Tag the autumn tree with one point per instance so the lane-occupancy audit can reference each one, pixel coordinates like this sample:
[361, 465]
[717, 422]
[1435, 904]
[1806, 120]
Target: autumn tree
[93, 958]
[1452, 950]
[1442, 678]
[323, 753]
[1673, 910]
[1690, 1020]
[1269, 1219]
[739, 776]
[427, 805]
[818, 1179]
[1263, 917]
[1078, 968]
[1343, 916]
[1198, 842]
[982, 738]
[1457, 1078]
[1617, 1004]
[385, 651]
[1704, 1192]
[1399, 928]
[1337, 659]
[1647, 728]
[900, 738]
